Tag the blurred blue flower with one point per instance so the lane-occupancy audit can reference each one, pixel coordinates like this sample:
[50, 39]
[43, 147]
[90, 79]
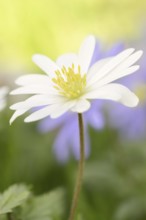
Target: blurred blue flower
[67, 140]
[131, 123]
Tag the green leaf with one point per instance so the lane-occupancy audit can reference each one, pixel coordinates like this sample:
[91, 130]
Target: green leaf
[49, 206]
[133, 208]
[14, 196]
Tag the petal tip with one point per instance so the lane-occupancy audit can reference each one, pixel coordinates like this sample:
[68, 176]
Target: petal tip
[27, 120]
[11, 120]
[134, 102]
[11, 107]
[35, 56]
[13, 92]
[140, 53]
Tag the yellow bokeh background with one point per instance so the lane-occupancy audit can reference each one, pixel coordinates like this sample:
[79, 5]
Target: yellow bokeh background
[53, 27]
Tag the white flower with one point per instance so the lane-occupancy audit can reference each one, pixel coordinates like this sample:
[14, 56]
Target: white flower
[3, 93]
[71, 82]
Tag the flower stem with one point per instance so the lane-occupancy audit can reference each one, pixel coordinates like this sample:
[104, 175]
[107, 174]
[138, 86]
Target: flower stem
[80, 169]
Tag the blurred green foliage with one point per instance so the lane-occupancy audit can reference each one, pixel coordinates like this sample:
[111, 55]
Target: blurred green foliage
[114, 185]
[49, 206]
[12, 198]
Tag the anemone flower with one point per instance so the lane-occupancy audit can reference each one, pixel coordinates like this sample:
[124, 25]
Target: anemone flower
[71, 84]
[66, 144]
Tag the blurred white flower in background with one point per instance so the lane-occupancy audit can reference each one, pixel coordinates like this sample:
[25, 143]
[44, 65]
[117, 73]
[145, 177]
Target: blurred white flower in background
[3, 93]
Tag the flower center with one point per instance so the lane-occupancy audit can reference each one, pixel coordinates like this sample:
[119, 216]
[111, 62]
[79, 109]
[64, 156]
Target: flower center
[70, 83]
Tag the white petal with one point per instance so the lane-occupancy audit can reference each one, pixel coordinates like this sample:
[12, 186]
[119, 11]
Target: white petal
[81, 105]
[36, 101]
[118, 75]
[62, 109]
[96, 67]
[123, 69]
[46, 64]
[129, 61]
[16, 106]
[115, 92]
[67, 60]
[44, 112]
[113, 77]
[86, 53]
[32, 79]
[17, 114]
[35, 89]
[111, 65]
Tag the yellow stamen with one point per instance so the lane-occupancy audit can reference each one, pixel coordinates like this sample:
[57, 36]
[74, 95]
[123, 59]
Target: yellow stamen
[69, 83]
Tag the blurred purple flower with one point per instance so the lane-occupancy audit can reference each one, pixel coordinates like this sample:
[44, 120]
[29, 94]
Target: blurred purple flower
[67, 140]
[131, 123]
